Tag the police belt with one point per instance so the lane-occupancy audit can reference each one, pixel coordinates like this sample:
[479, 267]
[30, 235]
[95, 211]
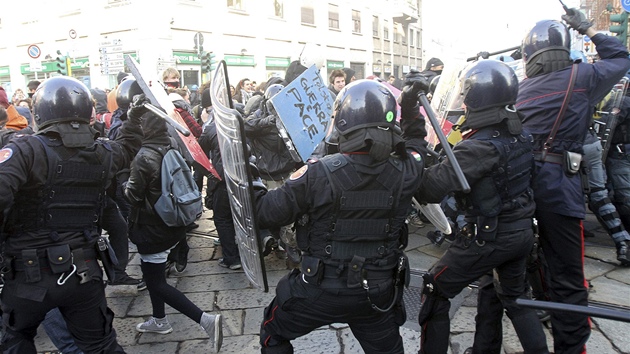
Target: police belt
[551, 158]
[20, 264]
[502, 228]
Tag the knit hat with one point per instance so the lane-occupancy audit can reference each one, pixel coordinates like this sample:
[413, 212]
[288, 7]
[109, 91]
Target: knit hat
[205, 98]
[433, 62]
[349, 74]
[121, 75]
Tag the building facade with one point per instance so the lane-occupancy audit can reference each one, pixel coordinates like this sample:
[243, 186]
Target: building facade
[256, 38]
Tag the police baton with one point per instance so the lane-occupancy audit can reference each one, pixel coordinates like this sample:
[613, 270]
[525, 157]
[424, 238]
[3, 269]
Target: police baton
[611, 314]
[180, 128]
[495, 53]
[424, 101]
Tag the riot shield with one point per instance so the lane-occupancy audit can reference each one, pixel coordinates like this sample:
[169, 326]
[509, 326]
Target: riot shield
[606, 119]
[304, 106]
[154, 90]
[233, 146]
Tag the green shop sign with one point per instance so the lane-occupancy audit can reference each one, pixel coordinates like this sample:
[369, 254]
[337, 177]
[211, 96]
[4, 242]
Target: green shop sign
[239, 60]
[186, 58]
[4, 71]
[51, 66]
[277, 62]
[334, 64]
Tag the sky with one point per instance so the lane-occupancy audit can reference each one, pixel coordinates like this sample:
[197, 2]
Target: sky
[462, 28]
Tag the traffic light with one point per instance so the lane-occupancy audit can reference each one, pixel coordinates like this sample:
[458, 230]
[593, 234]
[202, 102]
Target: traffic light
[205, 62]
[213, 61]
[62, 64]
[621, 26]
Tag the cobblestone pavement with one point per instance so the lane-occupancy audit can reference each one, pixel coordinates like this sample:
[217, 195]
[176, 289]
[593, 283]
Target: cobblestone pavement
[219, 290]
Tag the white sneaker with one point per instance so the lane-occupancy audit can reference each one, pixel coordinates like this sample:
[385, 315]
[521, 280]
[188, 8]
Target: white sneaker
[155, 325]
[213, 325]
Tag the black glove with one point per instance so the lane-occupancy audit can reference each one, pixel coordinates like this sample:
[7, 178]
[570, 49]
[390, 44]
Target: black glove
[414, 75]
[483, 55]
[517, 54]
[137, 108]
[577, 20]
[408, 98]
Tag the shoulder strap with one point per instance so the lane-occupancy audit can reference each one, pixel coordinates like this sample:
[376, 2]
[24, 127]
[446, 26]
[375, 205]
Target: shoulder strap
[565, 103]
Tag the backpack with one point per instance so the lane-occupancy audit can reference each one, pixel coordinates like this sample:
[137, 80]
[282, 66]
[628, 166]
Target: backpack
[180, 203]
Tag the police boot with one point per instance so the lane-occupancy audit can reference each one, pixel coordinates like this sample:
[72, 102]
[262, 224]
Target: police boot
[622, 253]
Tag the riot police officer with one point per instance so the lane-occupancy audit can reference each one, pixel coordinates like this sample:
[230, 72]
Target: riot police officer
[553, 81]
[496, 157]
[52, 190]
[353, 205]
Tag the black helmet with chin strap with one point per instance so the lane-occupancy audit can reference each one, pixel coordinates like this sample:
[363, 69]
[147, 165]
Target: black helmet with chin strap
[489, 89]
[546, 35]
[364, 117]
[61, 99]
[126, 90]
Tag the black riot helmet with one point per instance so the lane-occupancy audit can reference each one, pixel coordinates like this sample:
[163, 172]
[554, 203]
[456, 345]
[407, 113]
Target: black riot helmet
[126, 90]
[364, 116]
[489, 83]
[546, 35]
[61, 99]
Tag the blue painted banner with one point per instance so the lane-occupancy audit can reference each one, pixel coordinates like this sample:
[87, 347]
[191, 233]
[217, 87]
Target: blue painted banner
[305, 107]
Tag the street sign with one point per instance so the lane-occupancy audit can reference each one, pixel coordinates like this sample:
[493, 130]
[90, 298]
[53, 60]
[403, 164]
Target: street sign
[587, 39]
[112, 60]
[626, 5]
[35, 65]
[73, 34]
[34, 51]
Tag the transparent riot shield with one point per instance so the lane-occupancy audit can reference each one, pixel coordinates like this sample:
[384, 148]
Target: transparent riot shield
[231, 137]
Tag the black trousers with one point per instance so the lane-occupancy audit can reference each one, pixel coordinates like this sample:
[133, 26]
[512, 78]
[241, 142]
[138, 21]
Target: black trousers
[300, 308]
[83, 306]
[562, 242]
[467, 261]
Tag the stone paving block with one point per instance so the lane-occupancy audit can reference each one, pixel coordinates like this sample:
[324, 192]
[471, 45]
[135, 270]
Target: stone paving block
[418, 239]
[236, 280]
[252, 321]
[420, 260]
[274, 276]
[312, 343]
[617, 330]
[200, 254]
[166, 348]
[201, 268]
[594, 268]
[598, 343]
[205, 240]
[126, 333]
[464, 320]
[121, 291]
[183, 329]
[620, 274]
[609, 291]
[243, 299]
[120, 305]
[605, 254]
[231, 345]
[411, 341]
[459, 342]
[233, 322]
[42, 342]
[141, 306]
[433, 250]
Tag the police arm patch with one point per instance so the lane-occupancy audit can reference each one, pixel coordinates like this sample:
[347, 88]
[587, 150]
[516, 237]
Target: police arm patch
[299, 173]
[5, 154]
[416, 156]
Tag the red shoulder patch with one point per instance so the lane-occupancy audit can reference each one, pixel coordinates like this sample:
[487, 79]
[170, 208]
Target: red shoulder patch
[299, 173]
[5, 154]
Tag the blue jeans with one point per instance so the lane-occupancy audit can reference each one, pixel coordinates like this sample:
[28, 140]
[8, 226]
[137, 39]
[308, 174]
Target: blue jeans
[599, 202]
[57, 330]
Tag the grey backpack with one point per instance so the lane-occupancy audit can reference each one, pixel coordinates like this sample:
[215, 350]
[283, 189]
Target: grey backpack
[180, 203]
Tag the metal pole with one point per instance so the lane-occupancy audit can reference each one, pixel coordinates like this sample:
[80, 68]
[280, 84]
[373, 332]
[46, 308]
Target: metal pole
[424, 101]
[616, 315]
